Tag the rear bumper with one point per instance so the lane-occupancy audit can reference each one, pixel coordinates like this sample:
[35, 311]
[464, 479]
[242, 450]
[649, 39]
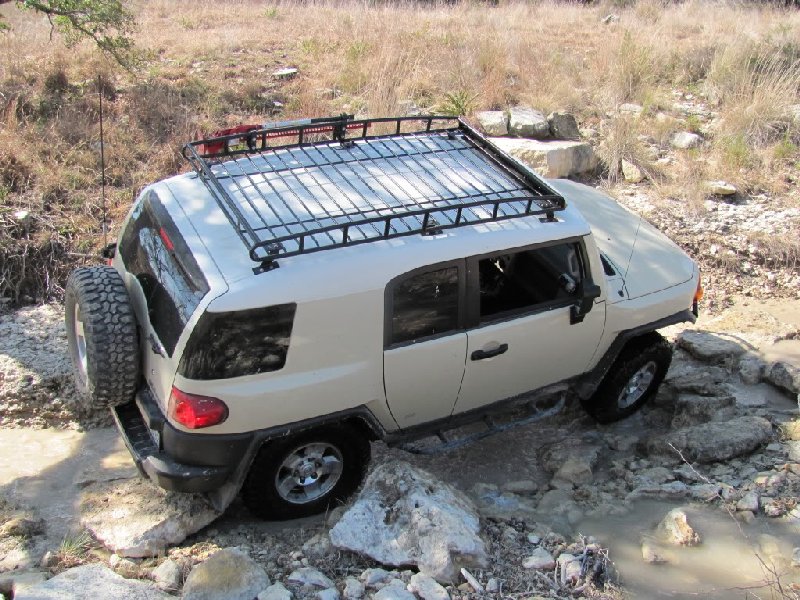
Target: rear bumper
[173, 459]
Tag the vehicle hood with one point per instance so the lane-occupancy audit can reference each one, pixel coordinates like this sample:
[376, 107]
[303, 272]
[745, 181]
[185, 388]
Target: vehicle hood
[647, 259]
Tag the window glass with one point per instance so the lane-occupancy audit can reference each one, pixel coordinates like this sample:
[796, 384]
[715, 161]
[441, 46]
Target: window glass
[425, 305]
[518, 281]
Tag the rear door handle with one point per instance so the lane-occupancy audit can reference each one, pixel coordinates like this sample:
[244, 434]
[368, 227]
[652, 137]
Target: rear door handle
[483, 354]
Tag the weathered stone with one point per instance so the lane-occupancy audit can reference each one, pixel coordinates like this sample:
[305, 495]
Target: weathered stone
[652, 476]
[373, 578]
[631, 108]
[563, 126]
[693, 409]
[493, 122]
[528, 123]
[713, 442]
[539, 559]
[404, 516]
[686, 140]
[228, 573]
[671, 490]
[310, 578]
[720, 188]
[523, 486]
[748, 502]
[136, 518]
[705, 492]
[168, 576]
[277, 591]
[494, 504]
[353, 589]
[790, 430]
[92, 581]
[710, 347]
[427, 587]
[772, 508]
[328, 594]
[15, 583]
[751, 368]
[784, 375]
[22, 527]
[551, 159]
[570, 567]
[124, 566]
[393, 592]
[708, 381]
[796, 557]
[555, 501]
[653, 553]
[674, 529]
[630, 172]
[576, 470]
[318, 546]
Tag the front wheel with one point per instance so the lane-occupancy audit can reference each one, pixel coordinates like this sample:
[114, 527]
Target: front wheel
[633, 379]
[303, 475]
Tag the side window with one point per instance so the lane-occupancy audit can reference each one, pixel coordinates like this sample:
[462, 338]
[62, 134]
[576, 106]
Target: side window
[424, 305]
[522, 280]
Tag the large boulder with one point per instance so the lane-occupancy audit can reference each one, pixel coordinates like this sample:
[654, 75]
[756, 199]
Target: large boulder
[493, 122]
[675, 529]
[713, 442]
[563, 126]
[551, 159]
[528, 123]
[404, 516]
[784, 375]
[135, 518]
[92, 581]
[228, 573]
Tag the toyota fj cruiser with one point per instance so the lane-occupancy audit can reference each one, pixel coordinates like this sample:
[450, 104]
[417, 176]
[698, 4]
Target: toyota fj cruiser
[312, 286]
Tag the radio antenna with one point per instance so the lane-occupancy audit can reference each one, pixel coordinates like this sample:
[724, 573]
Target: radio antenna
[102, 164]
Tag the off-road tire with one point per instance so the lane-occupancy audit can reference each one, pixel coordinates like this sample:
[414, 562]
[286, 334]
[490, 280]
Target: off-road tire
[651, 349]
[111, 372]
[260, 490]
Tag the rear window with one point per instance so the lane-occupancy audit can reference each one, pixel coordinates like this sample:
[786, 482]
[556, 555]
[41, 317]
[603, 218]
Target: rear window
[232, 344]
[173, 284]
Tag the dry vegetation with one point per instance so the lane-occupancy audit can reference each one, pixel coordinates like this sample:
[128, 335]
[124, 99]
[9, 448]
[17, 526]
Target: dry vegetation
[209, 64]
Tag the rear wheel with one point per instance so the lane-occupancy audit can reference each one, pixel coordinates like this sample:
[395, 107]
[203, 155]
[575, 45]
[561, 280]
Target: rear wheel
[633, 379]
[303, 475]
[101, 336]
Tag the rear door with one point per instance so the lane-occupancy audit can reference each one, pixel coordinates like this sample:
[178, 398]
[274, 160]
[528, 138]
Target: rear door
[425, 344]
[522, 337]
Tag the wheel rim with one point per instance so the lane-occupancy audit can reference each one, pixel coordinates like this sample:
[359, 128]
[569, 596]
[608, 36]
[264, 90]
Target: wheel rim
[80, 343]
[309, 472]
[637, 385]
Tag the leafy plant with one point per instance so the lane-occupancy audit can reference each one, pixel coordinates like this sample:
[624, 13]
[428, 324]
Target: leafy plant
[457, 104]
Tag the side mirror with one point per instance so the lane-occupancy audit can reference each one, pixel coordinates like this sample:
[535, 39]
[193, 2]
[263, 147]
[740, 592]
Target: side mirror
[587, 292]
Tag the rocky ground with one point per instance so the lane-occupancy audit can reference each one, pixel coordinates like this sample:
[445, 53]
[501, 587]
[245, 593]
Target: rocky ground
[521, 512]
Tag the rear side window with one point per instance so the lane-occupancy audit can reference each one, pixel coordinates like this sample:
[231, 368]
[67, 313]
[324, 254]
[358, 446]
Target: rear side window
[528, 279]
[425, 305]
[232, 344]
[154, 251]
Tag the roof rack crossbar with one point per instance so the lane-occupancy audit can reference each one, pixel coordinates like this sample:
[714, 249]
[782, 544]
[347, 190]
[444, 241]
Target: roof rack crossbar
[344, 182]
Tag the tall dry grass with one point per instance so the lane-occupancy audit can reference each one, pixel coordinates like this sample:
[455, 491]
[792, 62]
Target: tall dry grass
[210, 64]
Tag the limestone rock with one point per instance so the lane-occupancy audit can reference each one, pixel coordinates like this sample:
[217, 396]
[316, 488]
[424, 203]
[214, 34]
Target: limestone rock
[310, 578]
[631, 108]
[686, 140]
[373, 578]
[563, 126]
[328, 594]
[540, 559]
[136, 518]
[710, 347]
[551, 159]
[168, 576]
[791, 430]
[705, 492]
[228, 573]
[631, 173]
[528, 123]
[570, 567]
[393, 592]
[785, 376]
[672, 490]
[404, 516]
[674, 529]
[751, 368]
[22, 527]
[14, 584]
[493, 122]
[709, 381]
[277, 591]
[353, 589]
[427, 587]
[555, 501]
[526, 486]
[692, 409]
[713, 442]
[721, 188]
[92, 581]
[653, 553]
[749, 501]
[576, 470]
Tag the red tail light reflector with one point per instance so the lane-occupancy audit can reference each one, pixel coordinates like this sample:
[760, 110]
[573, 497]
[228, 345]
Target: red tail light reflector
[194, 411]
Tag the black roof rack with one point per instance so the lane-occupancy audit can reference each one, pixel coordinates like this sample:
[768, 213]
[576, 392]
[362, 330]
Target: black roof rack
[340, 182]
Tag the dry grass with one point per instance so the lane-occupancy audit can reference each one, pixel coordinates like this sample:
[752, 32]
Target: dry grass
[210, 65]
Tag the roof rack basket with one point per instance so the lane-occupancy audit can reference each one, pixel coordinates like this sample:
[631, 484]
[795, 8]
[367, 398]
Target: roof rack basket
[339, 182]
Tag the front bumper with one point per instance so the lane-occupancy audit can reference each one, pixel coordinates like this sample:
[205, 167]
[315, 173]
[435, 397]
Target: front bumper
[173, 459]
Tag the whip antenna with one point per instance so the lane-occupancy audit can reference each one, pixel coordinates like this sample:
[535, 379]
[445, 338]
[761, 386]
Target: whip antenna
[102, 164]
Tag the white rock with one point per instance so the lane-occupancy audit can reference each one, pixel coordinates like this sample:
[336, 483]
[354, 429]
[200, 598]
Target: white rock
[309, 577]
[675, 529]
[393, 592]
[721, 188]
[228, 573]
[570, 567]
[631, 173]
[539, 559]
[329, 594]
[551, 159]
[373, 578]
[492, 586]
[527, 122]
[629, 107]
[493, 122]
[404, 516]
[750, 501]
[427, 587]
[277, 591]
[576, 470]
[136, 518]
[92, 581]
[353, 589]
[168, 576]
[285, 73]
[685, 140]
[653, 554]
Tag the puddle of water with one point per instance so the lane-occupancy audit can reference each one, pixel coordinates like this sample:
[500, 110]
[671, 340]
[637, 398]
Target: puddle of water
[724, 566]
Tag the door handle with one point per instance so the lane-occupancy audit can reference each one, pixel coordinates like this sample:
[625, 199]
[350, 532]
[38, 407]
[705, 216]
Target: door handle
[482, 354]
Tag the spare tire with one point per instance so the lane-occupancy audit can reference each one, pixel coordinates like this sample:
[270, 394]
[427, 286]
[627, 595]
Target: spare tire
[101, 336]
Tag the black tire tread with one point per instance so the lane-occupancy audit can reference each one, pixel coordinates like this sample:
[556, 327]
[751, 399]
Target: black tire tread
[111, 335]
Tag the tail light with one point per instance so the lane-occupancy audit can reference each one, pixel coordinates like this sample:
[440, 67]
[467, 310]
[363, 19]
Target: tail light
[698, 295]
[194, 411]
